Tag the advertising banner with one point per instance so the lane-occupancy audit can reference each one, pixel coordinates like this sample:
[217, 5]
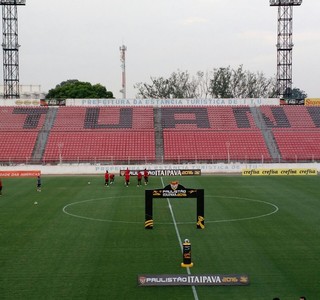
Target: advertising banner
[166, 172]
[279, 172]
[207, 279]
[174, 102]
[174, 190]
[52, 102]
[19, 102]
[312, 101]
[11, 174]
[295, 101]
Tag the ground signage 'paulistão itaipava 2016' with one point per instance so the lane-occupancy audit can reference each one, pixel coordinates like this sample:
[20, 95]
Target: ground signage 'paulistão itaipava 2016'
[180, 279]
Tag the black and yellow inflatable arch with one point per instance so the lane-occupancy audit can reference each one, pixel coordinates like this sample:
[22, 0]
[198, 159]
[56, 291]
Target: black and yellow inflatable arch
[174, 190]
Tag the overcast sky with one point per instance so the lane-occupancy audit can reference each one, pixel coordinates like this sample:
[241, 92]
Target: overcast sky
[78, 39]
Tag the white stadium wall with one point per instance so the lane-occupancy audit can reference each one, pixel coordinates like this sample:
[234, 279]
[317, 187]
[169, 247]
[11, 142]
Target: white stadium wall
[174, 102]
[86, 169]
[149, 102]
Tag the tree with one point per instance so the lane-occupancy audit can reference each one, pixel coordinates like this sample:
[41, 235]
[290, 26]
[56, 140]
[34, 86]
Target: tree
[178, 85]
[229, 83]
[203, 84]
[219, 83]
[298, 94]
[76, 89]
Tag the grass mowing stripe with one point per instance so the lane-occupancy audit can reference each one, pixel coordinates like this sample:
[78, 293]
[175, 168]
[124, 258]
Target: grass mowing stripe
[46, 253]
[195, 294]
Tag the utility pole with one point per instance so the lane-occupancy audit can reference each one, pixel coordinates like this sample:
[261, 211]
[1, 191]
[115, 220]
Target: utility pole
[123, 50]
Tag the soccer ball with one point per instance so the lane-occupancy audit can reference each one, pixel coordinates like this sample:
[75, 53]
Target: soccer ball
[35, 202]
[89, 182]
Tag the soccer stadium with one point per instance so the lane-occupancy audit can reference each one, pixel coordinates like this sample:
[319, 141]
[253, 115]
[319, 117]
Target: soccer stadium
[198, 199]
[80, 239]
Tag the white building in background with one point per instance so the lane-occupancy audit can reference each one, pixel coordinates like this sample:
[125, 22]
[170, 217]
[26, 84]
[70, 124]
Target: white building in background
[30, 91]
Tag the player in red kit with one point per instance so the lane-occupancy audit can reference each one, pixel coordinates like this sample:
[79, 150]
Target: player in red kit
[106, 178]
[127, 178]
[111, 178]
[139, 177]
[146, 176]
[127, 171]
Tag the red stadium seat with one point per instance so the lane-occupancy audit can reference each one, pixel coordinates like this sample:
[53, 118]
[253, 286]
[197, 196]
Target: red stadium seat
[161, 134]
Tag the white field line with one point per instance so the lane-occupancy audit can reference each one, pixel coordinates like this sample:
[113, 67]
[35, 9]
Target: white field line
[195, 294]
[275, 210]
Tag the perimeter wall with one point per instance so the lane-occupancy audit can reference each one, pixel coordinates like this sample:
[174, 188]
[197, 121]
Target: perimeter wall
[221, 168]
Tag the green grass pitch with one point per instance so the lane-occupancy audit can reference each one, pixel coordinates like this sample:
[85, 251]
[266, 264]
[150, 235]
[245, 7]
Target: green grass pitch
[86, 241]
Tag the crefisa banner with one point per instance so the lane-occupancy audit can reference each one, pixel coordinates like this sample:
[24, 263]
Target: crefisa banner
[280, 172]
[180, 279]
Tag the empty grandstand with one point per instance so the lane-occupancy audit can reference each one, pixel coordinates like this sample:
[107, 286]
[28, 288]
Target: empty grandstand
[159, 134]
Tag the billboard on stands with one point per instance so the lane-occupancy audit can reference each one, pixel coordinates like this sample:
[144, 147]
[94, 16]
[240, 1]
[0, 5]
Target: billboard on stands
[19, 102]
[312, 102]
[291, 101]
[53, 102]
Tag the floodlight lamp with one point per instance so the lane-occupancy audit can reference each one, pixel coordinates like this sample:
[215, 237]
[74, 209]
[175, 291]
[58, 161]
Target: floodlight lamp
[285, 2]
[12, 2]
[295, 2]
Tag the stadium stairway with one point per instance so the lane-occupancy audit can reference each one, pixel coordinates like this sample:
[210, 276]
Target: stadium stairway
[267, 133]
[42, 138]
[158, 135]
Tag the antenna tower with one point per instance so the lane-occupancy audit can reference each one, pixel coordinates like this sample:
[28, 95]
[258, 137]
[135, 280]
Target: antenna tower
[123, 50]
[10, 47]
[284, 45]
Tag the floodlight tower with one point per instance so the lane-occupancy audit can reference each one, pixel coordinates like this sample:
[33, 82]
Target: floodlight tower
[10, 47]
[284, 45]
[123, 50]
